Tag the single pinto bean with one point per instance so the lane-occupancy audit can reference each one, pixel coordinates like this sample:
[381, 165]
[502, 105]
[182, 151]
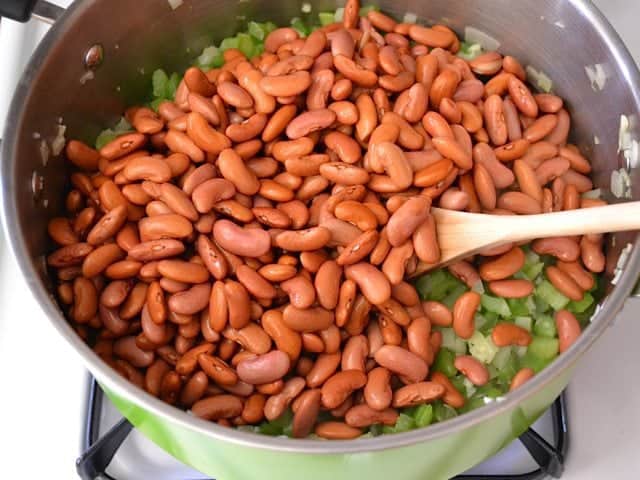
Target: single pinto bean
[265, 368]
[248, 242]
[417, 394]
[504, 266]
[338, 387]
[505, 334]
[402, 362]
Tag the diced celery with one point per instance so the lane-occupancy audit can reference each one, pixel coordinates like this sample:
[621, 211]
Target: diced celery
[493, 372]
[490, 390]
[501, 357]
[375, 429]
[444, 362]
[156, 103]
[299, 26]
[518, 306]
[474, 402]
[524, 322]
[443, 412]
[258, 49]
[110, 134]
[496, 305]
[256, 30]
[404, 423]
[545, 326]
[520, 351]
[159, 80]
[227, 43]
[535, 363]
[482, 347]
[551, 295]
[541, 305]
[469, 388]
[209, 56]
[269, 27]
[454, 343]
[532, 270]
[436, 285]
[490, 321]
[469, 51]
[279, 425]
[339, 15]
[172, 86]
[458, 382]
[326, 18]
[509, 369]
[245, 44]
[544, 348]
[368, 8]
[423, 415]
[454, 294]
[531, 304]
[581, 305]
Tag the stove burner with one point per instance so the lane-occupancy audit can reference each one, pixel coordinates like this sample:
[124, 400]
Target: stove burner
[99, 451]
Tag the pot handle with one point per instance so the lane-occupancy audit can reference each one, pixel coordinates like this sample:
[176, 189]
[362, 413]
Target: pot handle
[23, 10]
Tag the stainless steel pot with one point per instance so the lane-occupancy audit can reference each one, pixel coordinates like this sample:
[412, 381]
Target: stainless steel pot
[564, 38]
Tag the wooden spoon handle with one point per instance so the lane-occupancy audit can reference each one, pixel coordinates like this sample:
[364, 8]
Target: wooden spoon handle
[610, 218]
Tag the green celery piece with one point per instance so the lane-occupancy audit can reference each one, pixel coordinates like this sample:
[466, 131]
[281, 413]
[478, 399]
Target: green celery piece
[551, 295]
[376, 429]
[245, 44]
[368, 8]
[474, 402]
[541, 305]
[544, 348]
[227, 43]
[278, 425]
[537, 364]
[532, 270]
[452, 342]
[545, 326]
[580, 306]
[326, 18]
[490, 321]
[482, 348]
[172, 86]
[501, 358]
[518, 306]
[490, 390]
[496, 305]
[423, 415]
[156, 103]
[299, 26]
[444, 362]
[268, 428]
[458, 383]
[404, 423]
[256, 30]
[208, 57]
[436, 285]
[454, 294]
[443, 412]
[159, 80]
[524, 322]
[105, 137]
[509, 369]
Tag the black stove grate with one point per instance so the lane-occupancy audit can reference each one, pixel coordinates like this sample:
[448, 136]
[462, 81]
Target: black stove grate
[99, 451]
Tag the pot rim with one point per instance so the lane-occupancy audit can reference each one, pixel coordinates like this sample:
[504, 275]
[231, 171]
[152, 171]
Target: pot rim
[122, 387]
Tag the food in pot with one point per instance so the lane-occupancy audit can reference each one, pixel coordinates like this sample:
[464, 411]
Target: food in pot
[244, 245]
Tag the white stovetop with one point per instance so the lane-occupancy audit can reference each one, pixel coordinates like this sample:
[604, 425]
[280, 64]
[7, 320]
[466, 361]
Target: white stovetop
[43, 382]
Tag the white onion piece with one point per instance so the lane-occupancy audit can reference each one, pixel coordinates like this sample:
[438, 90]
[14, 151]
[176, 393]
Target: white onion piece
[175, 3]
[473, 35]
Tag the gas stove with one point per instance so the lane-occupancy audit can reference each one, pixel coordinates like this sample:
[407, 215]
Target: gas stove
[51, 413]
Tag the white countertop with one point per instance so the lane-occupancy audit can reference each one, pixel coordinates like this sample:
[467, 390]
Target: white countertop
[42, 397]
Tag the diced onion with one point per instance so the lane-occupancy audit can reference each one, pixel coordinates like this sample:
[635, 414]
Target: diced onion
[306, 7]
[478, 288]
[621, 183]
[622, 261]
[539, 79]
[597, 76]
[593, 194]
[409, 17]
[632, 155]
[473, 35]
[624, 135]
[207, 56]
[175, 3]
[339, 14]
[44, 152]
[86, 76]
[59, 141]
[596, 140]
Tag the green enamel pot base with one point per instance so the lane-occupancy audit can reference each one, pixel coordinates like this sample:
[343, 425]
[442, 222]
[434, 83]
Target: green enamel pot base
[435, 459]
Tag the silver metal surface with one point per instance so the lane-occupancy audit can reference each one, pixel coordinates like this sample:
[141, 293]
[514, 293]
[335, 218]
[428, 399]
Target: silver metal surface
[47, 12]
[559, 37]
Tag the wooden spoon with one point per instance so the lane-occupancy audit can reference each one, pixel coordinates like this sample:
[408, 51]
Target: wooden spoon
[462, 234]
